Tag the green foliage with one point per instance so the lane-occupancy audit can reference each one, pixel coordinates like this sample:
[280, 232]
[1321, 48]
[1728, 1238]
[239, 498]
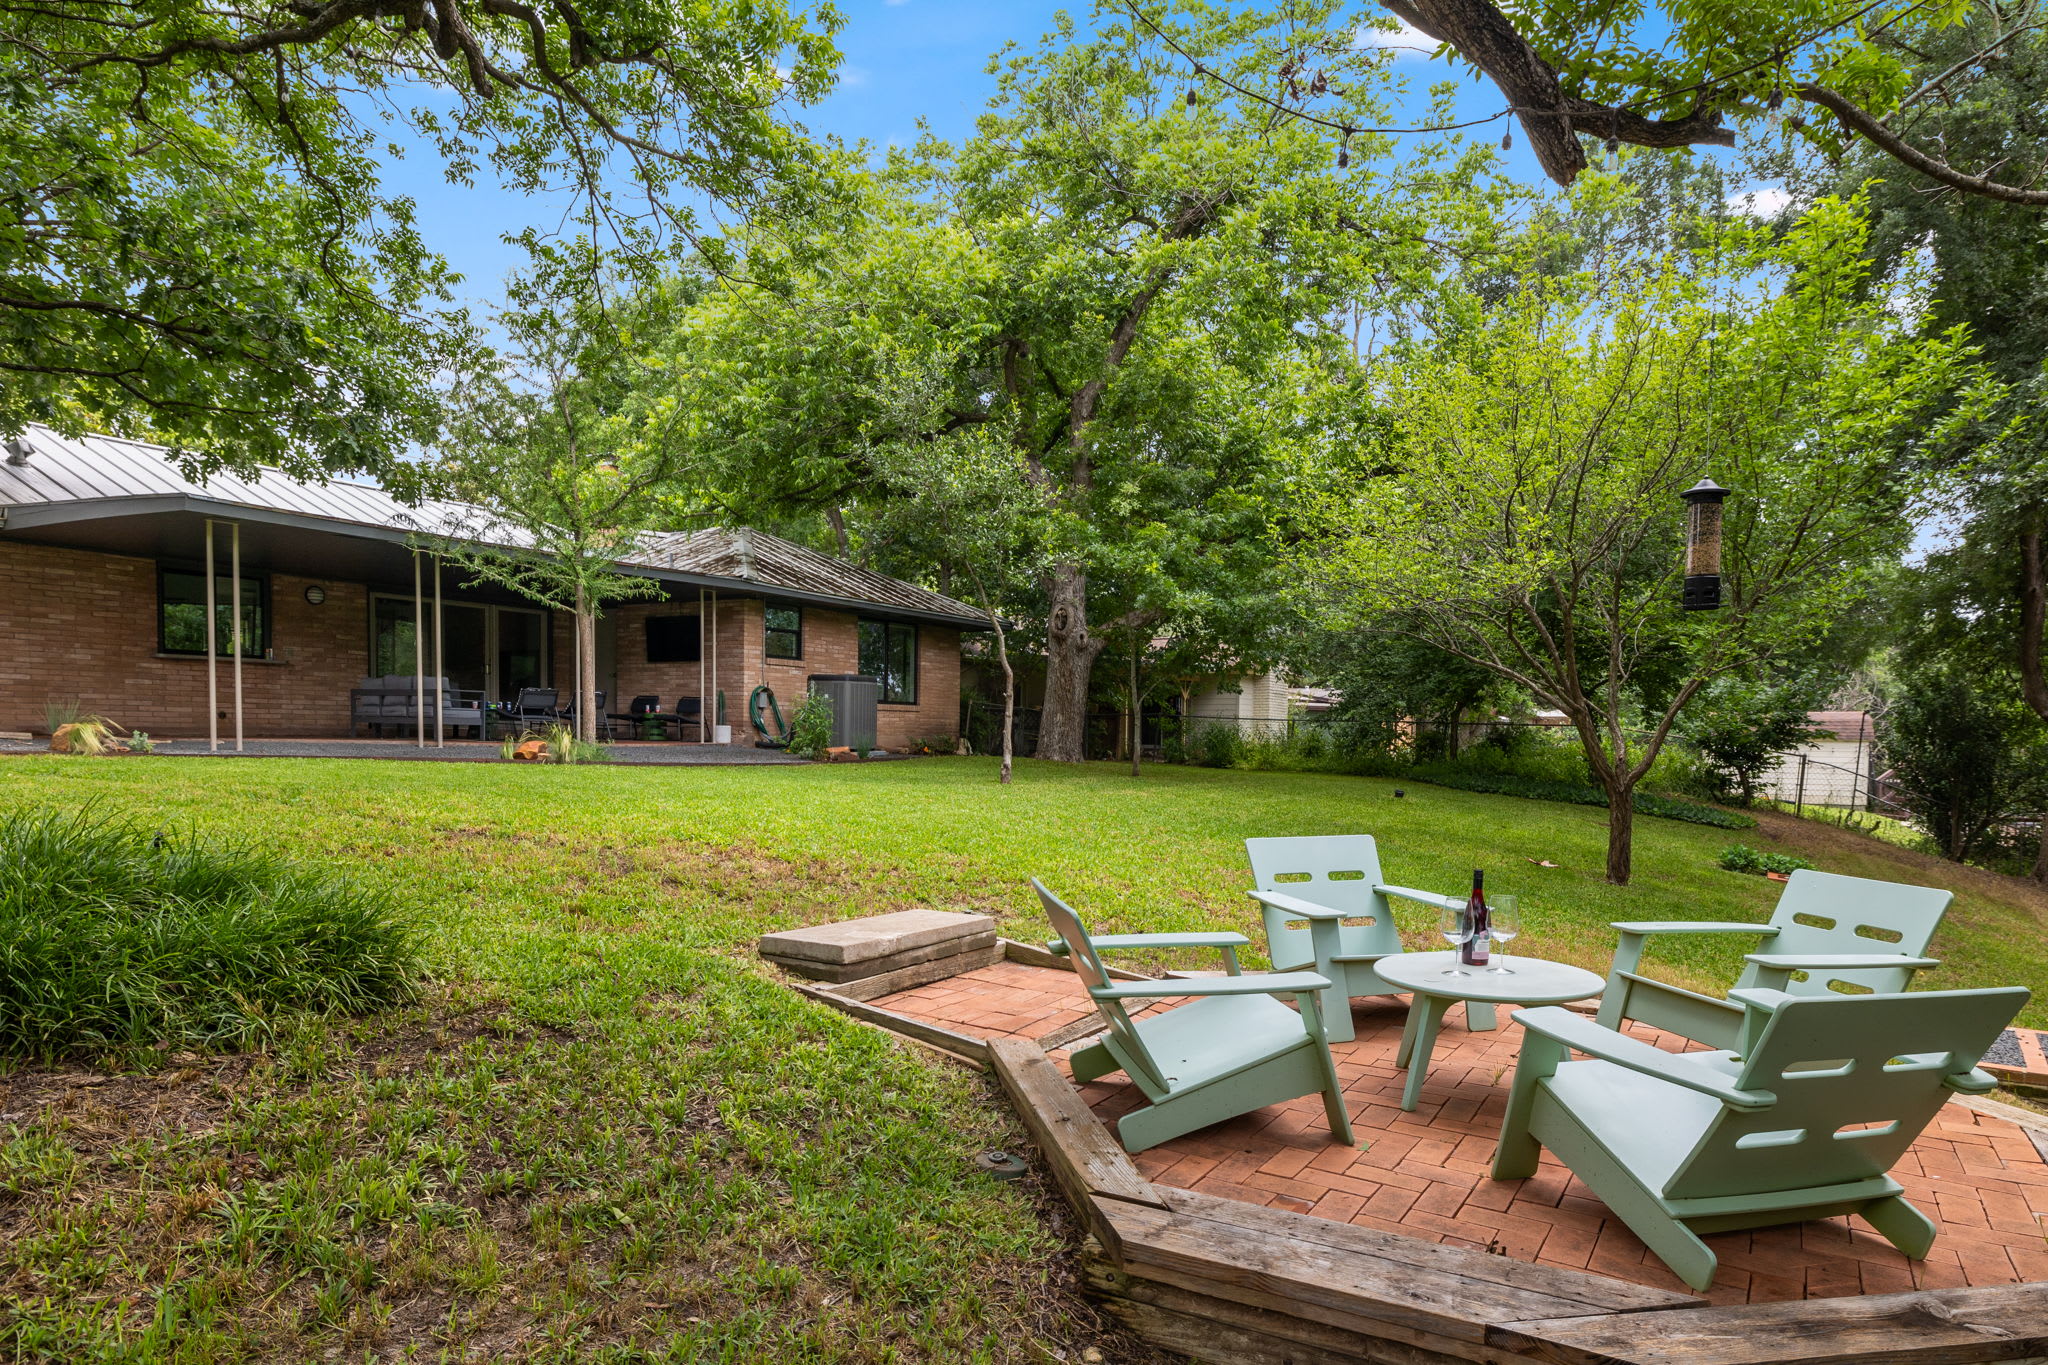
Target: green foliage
[114, 940]
[1964, 752]
[1218, 744]
[141, 743]
[198, 247]
[810, 726]
[1132, 298]
[1743, 858]
[1741, 726]
[1575, 793]
[1524, 511]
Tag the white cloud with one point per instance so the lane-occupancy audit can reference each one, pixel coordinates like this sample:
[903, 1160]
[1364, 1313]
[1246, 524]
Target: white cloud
[1760, 201]
[1404, 41]
[893, 3]
[853, 77]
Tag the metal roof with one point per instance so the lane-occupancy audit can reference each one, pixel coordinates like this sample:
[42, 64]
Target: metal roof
[770, 562]
[65, 478]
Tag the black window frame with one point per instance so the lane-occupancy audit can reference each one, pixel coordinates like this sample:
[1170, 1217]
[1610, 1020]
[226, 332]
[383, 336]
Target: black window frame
[769, 632]
[689, 642]
[890, 631]
[266, 619]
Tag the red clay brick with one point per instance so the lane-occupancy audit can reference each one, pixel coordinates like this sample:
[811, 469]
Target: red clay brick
[1426, 1174]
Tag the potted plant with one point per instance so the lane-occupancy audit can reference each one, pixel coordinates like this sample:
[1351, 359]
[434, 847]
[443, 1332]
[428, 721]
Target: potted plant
[721, 733]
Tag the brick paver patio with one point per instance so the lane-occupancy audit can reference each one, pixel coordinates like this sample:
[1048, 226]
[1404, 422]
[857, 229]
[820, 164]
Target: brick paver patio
[1983, 1180]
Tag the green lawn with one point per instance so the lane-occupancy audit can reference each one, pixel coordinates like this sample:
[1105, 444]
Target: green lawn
[606, 1134]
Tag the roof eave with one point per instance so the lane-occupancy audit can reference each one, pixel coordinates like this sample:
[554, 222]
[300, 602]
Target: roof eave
[28, 516]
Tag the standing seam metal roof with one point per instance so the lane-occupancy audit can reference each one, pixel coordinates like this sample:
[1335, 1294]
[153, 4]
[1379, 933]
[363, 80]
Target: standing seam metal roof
[64, 469]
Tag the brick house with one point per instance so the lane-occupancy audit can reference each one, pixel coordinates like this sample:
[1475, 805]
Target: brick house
[103, 552]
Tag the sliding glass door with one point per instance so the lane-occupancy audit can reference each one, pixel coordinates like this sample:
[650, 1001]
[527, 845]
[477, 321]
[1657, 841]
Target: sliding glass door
[487, 649]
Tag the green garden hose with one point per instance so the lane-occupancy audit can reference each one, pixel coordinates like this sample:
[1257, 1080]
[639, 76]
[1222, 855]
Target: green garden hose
[780, 738]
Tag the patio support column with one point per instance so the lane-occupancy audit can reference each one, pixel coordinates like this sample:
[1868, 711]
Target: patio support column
[235, 618]
[703, 658]
[419, 657]
[440, 693]
[212, 654]
[711, 702]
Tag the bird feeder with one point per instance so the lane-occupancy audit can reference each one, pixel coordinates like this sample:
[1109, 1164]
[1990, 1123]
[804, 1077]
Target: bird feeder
[1703, 546]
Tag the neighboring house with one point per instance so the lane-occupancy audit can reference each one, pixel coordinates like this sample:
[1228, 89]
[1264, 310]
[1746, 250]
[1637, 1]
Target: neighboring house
[1832, 771]
[1256, 704]
[102, 601]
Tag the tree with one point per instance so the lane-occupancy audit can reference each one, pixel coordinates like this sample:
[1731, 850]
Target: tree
[1134, 286]
[567, 470]
[1963, 752]
[1985, 264]
[1525, 514]
[965, 499]
[196, 244]
[1583, 69]
[1742, 726]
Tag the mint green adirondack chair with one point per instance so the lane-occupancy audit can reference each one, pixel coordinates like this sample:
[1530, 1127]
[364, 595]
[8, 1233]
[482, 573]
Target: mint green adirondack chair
[1326, 910]
[1829, 1096]
[1830, 935]
[1233, 1049]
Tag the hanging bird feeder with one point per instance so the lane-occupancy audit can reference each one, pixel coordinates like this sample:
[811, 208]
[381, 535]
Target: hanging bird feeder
[1703, 546]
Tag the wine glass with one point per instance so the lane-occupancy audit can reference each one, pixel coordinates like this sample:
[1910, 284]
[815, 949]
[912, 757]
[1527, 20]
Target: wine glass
[1455, 928]
[1504, 917]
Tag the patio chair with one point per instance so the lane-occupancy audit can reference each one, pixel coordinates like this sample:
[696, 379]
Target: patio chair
[1830, 935]
[603, 723]
[534, 706]
[1234, 1049]
[1326, 909]
[1806, 1125]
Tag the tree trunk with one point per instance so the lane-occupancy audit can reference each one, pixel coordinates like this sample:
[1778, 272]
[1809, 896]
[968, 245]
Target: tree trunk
[1009, 694]
[2041, 851]
[1621, 830]
[1137, 715]
[586, 668]
[1070, 653]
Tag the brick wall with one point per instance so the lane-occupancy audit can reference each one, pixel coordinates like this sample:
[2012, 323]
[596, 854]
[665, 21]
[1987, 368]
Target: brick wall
[82, 626]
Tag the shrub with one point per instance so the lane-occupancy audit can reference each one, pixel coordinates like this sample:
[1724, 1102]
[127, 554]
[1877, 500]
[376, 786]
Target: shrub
[1580, 794]
[1743, 858]
[1219, 746]
[810, 726]
[114, 939]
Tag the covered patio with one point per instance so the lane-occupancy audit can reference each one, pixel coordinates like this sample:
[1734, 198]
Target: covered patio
[334, 614]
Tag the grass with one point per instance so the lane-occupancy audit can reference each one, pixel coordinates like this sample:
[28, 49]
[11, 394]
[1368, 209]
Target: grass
[604, 1133]
[116, 940]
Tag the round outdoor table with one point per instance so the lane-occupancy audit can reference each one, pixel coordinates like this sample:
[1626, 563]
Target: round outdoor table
[1532, 981]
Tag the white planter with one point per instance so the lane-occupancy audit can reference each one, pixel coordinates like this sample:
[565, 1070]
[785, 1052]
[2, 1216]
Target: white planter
[721, 734]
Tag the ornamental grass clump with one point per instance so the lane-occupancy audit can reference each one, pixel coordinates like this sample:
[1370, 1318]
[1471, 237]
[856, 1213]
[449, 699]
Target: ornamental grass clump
[116, 939]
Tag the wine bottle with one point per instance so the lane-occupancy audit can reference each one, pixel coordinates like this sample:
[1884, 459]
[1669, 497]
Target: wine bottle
[1475, 952]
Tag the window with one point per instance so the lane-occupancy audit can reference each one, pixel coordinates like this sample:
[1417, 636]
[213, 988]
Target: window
[672, 640]
[785, 633]
[181, 613]
[888, 650]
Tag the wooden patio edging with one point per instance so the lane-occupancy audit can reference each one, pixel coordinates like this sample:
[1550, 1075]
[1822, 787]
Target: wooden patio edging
[1239, 1284]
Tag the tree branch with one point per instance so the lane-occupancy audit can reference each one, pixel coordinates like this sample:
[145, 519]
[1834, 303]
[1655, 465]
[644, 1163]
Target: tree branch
[1859, 121]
